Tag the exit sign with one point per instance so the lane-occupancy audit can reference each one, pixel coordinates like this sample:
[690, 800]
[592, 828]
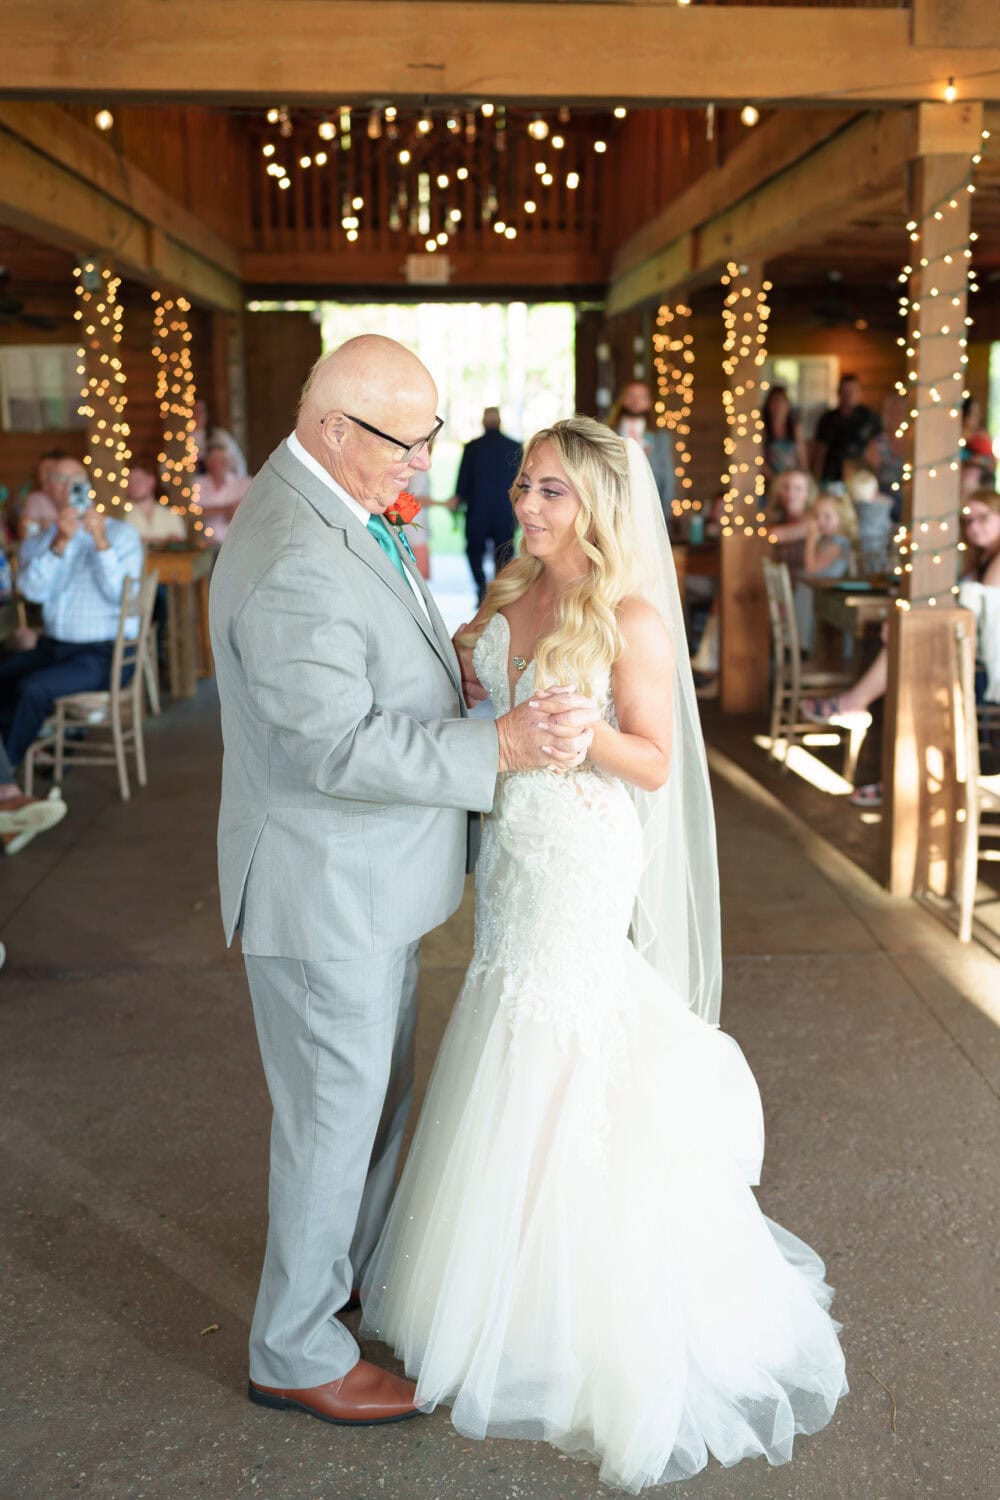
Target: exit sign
[428, 270]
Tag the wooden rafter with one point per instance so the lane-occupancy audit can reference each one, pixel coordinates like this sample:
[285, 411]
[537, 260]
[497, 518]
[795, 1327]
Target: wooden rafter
[314, 49]
[845, 178]
[60, 183]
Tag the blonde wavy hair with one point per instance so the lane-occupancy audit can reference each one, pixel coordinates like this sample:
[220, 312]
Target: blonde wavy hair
[587, 640]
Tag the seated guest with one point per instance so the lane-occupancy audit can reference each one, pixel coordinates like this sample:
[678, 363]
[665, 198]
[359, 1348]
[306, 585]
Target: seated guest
[874, 521]
[41, 507]
[982, 532]
[155, 522]
[218, 491]
[205, 435]
[976, 441]
[75, 570]
[832, 530]
[790, 500]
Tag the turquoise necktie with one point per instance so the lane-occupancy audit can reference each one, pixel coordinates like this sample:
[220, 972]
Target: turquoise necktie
[380, 531]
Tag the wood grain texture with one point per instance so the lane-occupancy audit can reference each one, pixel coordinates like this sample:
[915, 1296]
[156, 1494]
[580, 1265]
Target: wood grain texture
[488, 50]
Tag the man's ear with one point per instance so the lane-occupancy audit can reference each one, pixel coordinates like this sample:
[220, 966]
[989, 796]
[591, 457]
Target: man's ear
[334, 431]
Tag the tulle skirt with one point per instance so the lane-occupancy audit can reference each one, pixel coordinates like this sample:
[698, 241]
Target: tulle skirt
[575, 1252]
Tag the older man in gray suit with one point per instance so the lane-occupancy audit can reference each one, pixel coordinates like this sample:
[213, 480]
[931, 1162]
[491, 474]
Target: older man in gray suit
[350, 768]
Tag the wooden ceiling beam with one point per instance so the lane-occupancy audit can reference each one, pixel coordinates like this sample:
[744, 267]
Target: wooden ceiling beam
[41, 197]
[858, 173]
[252, 51]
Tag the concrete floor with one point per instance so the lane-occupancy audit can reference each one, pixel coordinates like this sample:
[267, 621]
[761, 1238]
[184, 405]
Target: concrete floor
[133, 1133]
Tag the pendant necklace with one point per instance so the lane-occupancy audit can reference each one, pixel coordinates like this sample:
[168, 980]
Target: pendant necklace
[520, 663]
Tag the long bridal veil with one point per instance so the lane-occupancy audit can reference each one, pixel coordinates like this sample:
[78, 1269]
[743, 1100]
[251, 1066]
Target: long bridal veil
[676, 922]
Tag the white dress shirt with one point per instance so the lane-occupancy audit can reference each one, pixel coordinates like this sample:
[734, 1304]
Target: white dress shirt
[354, 506]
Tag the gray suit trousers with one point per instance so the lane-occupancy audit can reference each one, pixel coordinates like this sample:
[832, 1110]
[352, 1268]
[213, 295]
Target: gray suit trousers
[336, 1040]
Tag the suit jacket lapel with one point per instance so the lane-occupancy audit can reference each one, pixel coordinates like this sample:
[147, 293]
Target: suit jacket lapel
[367, 550]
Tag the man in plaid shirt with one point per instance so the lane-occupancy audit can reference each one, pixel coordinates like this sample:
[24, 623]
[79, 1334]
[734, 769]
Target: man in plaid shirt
[75, 570]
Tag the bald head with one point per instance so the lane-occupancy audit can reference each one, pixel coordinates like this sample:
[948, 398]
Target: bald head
[383, 384]
[371, 377]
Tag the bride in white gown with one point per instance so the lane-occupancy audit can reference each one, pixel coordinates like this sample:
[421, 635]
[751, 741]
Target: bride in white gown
[574, 1253]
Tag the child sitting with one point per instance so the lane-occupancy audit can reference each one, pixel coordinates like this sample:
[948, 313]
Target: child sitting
[831, 530]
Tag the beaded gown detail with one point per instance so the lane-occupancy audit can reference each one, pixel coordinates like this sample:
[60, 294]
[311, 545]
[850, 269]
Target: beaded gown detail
[574, 1252]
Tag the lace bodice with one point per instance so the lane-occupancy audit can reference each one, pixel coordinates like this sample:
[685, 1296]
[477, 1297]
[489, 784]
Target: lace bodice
[491, 659]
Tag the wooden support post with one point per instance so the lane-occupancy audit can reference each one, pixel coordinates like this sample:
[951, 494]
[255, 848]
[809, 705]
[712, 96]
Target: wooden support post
[917, 773]
[745, 656]
[103, 397]
[925, 766]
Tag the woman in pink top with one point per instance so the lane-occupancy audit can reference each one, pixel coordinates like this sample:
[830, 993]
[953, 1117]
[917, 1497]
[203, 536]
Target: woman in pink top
[219, 491]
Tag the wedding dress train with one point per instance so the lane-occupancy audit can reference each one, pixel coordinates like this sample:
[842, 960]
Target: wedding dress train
[575, 1253]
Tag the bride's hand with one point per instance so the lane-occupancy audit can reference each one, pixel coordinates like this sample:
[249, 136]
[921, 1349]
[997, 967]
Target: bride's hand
[569, 712]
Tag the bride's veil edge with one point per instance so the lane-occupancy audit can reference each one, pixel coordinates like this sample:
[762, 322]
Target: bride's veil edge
[676, 923]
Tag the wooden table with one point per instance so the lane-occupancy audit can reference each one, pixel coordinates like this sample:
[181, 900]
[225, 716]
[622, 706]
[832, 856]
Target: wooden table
[185, 572]
[841, 610]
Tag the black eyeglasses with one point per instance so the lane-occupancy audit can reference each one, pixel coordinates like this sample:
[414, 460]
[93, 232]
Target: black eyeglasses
[409, 450]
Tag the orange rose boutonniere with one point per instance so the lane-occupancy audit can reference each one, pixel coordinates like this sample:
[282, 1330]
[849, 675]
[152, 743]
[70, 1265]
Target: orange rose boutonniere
[403, 511]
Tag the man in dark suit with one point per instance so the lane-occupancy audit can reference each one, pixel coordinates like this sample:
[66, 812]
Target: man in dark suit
[487, 471]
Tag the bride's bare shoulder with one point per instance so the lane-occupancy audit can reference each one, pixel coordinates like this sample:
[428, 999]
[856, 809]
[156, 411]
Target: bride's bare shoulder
[644, 633]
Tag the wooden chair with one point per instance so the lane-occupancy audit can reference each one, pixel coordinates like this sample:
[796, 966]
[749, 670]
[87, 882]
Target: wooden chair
[794, 680]
[982, 793]
[117, 711]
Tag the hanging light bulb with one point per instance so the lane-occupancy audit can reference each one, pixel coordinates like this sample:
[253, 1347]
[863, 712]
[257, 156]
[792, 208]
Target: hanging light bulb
[326, 130]
[305, 161]
[600, 147]
[442, 238]
[425, 124]
[620, 112]
[374, 124]
[321, 158]
[538, 129]
[357, 202]
[405, 157]
[749, 114]
[390, 113]
[267, 149]
[547, 179]
[443, 179]
[455, 215]
[104, 119]
[530, 205]
[572, 180]
[950, 91]
[558, 142]
[273, 116]
[487, 111]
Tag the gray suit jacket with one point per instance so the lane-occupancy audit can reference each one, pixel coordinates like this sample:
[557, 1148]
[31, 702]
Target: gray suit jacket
[349, 763]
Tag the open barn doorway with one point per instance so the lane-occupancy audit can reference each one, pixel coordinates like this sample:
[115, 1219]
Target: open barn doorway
[519, 356]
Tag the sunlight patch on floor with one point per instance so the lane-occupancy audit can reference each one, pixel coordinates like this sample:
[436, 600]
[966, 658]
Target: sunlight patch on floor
[806, 765]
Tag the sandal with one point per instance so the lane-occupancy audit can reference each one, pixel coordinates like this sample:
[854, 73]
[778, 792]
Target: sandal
[820, 710]
[867, 796]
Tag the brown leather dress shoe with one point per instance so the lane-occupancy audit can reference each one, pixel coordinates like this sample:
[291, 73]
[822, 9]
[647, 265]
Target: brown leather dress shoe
[365, 1397]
